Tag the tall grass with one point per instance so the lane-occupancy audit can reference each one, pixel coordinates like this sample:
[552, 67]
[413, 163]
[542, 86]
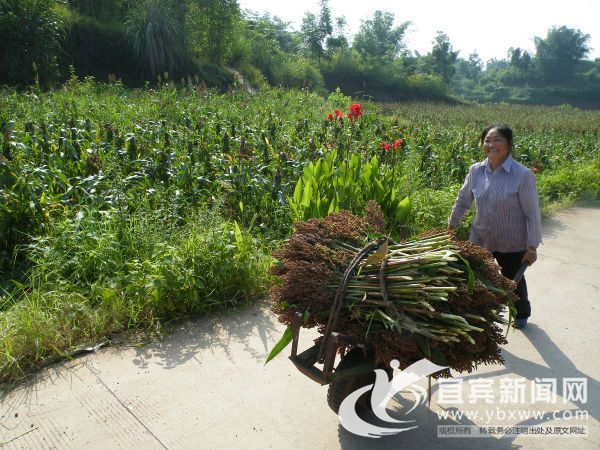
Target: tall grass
[102, 272]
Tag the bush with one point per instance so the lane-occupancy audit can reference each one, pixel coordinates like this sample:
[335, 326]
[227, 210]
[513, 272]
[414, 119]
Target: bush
[103, 49]
[174, 271]
[31, 31]
[93, 275]
[211, 74]
[377, 79]
[97, 49]
[567, 184]
[288, 71]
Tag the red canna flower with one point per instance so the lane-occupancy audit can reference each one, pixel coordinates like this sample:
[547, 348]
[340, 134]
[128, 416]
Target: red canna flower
[355, 110]
[385, 145]
[398, 142]
[329, 116]
[535, 170]
[338, 113]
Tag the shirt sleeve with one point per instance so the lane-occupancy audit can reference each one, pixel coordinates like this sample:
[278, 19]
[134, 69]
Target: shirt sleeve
[463, 202]
[528, 197]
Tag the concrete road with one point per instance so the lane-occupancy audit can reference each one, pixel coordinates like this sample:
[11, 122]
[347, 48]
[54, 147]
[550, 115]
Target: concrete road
[205, 385]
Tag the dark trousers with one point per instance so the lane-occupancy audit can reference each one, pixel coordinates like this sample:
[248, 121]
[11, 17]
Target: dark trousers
[510, 264]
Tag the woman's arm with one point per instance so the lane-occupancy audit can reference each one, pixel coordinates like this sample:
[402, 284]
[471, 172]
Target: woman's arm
[463, 202]
[529, 200]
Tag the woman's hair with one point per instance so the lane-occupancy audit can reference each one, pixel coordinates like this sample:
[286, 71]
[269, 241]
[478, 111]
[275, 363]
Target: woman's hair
[503, 129]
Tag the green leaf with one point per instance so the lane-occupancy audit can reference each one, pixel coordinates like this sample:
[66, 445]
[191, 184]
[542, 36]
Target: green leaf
[332, 207]
[470, 274]
[305, 317]
[423, 343]
[404, 208]
[318, 205]
[61, 176]
[306, 195]
[239, 239]
[288, 336]
[318, 169]
[379, 189]
[295, 213]
[298, 192]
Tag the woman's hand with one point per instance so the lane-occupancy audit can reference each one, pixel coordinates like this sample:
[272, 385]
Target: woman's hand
[530, 256]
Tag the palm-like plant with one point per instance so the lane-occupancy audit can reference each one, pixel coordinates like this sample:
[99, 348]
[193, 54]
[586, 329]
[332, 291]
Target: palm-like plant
[157, 37]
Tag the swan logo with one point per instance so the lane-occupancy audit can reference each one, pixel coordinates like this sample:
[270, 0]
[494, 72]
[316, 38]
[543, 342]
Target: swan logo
[382, 391]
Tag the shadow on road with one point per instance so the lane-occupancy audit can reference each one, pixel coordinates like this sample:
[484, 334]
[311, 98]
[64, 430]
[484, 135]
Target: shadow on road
[190, 338]
[219, 331]
[423, 437]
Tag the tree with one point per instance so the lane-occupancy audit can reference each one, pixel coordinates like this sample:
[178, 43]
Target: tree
[469, 68]
[558, 54]
[519, 59]
[316, 29]
[311, 32]
[495, 64]
[443, 58]
[337, 40]
[325, 19]
[210, 27]
[378, 36]
[101, 9]
[274, 29]
[31, 33]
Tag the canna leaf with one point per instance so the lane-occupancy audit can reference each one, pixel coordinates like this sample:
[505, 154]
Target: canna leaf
[298, 192]
[288, 336]
[332, 207]
[404, 208]
[306, 195]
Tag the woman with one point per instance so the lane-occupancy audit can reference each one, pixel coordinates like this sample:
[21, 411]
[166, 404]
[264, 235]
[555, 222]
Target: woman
[508, 220]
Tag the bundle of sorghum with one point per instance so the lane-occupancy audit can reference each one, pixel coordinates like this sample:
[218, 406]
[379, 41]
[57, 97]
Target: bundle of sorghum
[432, 296]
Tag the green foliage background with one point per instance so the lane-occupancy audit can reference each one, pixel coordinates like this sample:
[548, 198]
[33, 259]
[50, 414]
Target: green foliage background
[216, 43]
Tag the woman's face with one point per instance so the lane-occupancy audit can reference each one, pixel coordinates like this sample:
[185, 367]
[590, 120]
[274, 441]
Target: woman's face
[495, 147]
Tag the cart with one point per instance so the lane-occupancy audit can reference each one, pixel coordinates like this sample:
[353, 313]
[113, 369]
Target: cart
[356, 367]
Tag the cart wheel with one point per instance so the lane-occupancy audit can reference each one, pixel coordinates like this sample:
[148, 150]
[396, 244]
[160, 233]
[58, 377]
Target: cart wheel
[339, 390]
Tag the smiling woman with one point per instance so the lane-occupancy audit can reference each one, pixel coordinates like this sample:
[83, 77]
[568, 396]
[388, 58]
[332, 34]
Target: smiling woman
[508, 219]
[497, 143]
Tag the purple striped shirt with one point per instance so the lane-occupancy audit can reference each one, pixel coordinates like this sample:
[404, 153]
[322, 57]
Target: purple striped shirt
[508, 215]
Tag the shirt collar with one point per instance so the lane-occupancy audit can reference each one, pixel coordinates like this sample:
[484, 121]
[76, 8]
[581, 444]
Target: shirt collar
[506, 165]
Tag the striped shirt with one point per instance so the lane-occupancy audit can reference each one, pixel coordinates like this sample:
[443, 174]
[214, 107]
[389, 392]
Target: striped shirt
[508, 215]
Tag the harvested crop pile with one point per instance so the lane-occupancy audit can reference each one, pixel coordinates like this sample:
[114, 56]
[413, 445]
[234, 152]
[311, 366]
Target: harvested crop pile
[433, 296]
